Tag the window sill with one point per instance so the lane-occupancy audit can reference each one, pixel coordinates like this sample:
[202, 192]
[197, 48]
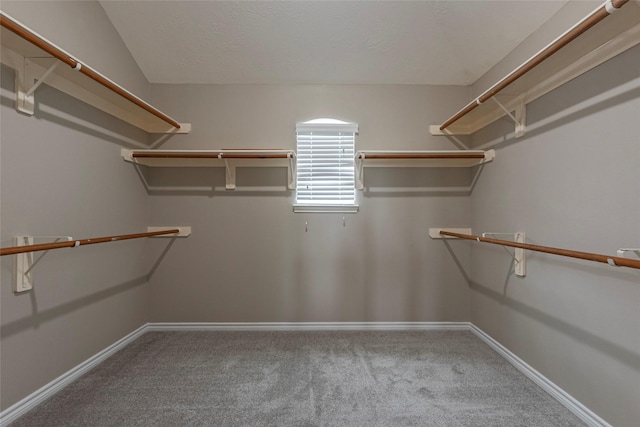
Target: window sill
[325, 208]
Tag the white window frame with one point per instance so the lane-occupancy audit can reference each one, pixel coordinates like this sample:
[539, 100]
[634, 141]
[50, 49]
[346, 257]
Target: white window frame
[304, 161]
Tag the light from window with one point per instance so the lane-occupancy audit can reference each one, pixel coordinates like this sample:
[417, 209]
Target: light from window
[325, 163]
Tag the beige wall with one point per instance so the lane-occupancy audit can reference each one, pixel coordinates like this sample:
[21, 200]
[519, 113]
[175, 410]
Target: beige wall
[573, 181]
[250, 258]
[62, 174]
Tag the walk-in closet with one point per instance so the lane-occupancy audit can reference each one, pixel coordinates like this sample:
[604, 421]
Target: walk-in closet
[252, 213]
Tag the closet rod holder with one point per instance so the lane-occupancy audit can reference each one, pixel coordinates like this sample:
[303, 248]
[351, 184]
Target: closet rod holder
[62, 56]
[611, 260]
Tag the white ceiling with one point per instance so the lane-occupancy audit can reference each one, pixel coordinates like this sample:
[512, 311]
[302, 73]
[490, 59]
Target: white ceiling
[378, 42]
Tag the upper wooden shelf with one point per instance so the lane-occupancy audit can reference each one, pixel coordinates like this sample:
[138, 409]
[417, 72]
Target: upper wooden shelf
[207, 158]
[227, 158]
[37, 60]
[606, 32]
[424, 158]
[416, 159]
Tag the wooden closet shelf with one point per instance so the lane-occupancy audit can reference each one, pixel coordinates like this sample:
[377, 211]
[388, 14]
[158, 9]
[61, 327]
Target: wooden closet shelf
[424, 158]
[419, 159]
[36, 60]
[207, 158]
[211, 155]
[228, 159]
[601, 35]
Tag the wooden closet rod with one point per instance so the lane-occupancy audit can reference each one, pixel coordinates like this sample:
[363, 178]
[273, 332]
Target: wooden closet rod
[422, 156]
[65, 58]
[619, 261]
[588, 22]
[58, 245]
[214, 155]
[254, 156]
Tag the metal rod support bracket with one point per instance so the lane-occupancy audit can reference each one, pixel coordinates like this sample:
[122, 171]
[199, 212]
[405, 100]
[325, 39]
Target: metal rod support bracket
[520, 117]
[24, 262]
[42, 79]
[25, 100]
[359, 171]
[519, 255]
[623, 251]
[291, 173]
[230, 175]
[22, 279]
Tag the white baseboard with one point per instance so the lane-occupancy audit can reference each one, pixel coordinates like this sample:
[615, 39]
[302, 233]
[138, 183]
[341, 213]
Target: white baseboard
[308, 326]
[20, 408]
[577, 408]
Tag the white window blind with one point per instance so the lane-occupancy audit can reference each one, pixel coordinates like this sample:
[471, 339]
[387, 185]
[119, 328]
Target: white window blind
[325, 163]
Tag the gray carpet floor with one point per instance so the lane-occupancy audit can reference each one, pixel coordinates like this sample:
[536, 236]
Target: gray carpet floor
[319, 378]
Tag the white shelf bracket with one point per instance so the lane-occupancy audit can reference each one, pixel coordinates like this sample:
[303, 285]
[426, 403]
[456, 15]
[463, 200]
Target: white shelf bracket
[42, 79]
[622, 252]
[435, 130]
[26, 75]
[519, 255]
[359, 169]
[22, 279]
[230, 175]
[127, 155]
[457, 141]
[291, 172]
[184, 232]
[24, 262]
[520, 118]
[25, 100]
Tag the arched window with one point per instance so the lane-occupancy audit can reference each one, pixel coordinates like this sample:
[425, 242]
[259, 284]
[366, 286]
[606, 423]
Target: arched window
[325, 166]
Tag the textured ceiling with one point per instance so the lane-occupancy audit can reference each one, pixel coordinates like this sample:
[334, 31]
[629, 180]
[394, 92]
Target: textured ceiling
[378, 42]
